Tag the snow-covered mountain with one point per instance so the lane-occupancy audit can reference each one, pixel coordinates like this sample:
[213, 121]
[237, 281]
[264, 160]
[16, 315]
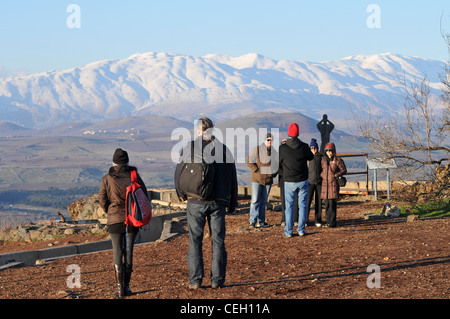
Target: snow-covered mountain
[222, 87]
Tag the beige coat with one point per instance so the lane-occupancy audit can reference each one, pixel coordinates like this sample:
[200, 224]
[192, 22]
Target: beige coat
[264, 167]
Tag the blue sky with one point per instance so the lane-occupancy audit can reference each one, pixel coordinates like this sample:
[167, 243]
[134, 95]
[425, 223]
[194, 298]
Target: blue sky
[35, 36]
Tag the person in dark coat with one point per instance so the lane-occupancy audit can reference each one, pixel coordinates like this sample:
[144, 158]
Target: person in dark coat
[315, 183]
[294, 156]
[332, 167]
[283, 202]
[213, 211]
[111, 197]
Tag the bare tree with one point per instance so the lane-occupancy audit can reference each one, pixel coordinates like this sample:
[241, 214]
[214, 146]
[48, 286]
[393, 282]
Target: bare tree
[445, 79]
[418, 139]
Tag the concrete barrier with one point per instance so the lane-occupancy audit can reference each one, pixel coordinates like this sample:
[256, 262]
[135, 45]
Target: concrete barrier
[152, 232]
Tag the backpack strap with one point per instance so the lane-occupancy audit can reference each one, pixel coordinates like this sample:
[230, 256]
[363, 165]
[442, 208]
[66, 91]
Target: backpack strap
[133, 176]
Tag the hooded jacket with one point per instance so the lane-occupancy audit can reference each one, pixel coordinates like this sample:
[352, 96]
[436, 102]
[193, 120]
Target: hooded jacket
[113, 190]
[294, 156]
[331, 170]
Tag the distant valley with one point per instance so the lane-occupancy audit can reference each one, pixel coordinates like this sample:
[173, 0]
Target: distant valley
[79, 154]
[60, 128]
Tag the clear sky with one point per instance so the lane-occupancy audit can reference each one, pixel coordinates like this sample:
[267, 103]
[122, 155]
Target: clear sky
[43, 35]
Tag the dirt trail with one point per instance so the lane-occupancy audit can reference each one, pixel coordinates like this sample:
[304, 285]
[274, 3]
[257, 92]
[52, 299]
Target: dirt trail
[327, 263]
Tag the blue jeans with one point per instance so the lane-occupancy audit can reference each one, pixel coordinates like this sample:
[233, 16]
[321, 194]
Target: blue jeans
[197, 215]
[290, 189]
[260, 193]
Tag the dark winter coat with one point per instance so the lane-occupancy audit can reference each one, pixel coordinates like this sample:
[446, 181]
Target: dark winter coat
[294, 156]
[314, 170]
[225, 177]
[113, 191]
[331, 170]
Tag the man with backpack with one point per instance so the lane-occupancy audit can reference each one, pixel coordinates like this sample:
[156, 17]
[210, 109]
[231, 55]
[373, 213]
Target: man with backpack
[209, 199]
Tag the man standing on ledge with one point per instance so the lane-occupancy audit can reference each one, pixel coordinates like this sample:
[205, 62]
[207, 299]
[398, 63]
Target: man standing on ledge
[211, 209]
[294, 157]
[325, 128]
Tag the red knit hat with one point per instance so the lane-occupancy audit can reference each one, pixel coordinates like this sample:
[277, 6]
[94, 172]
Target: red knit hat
[330, 146]
[293, 130]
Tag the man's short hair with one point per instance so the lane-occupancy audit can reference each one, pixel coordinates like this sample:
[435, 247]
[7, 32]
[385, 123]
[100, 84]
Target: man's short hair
[204, 123]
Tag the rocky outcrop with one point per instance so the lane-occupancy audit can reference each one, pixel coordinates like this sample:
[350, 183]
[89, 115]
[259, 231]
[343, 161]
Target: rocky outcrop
[443, 179]
[426, 191]
[41, 231]
[86, 208]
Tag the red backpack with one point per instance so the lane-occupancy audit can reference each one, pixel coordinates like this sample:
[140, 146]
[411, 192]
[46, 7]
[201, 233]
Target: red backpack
[138, 208]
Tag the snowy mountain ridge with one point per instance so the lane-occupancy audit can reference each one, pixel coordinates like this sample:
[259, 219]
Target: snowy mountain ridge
[220, 86]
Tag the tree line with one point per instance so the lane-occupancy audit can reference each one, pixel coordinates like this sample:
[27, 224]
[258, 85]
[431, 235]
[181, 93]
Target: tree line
[52, 197]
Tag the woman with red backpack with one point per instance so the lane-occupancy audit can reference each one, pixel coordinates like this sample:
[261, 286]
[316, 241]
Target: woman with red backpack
[112, 196]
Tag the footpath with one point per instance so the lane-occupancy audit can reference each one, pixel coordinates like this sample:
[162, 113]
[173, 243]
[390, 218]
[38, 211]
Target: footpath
[167, 210]
[158, 229]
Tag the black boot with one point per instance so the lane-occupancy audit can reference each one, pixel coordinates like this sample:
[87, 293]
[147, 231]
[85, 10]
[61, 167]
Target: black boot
[126, 280]
[119, 273]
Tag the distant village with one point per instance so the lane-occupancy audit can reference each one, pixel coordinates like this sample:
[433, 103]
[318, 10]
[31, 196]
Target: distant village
[131, 131]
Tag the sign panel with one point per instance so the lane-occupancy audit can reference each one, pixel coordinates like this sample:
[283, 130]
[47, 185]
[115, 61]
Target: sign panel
[380, 163]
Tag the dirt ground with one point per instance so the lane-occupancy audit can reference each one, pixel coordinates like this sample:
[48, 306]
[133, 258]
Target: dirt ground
[327, 263]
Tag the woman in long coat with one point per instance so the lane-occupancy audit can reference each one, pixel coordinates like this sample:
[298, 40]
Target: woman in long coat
[332, 167]
[111, 197]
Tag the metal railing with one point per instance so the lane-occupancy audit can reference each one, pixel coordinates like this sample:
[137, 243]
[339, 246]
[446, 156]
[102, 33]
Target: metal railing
[366, 172]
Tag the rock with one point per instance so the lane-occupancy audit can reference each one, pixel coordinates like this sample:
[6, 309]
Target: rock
[34, 234]
[443, 173]
[412, 218]
[22, 233]
[390, 211]
[86, 208]
[40, 262]
[69, 231]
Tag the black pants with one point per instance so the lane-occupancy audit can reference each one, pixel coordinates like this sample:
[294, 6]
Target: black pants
[330, 211]
[123, 245]
[314, 192]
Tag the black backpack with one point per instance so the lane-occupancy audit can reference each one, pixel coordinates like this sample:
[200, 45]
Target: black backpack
[197, 177]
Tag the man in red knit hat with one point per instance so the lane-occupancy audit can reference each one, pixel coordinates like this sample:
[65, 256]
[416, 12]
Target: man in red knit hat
[294, 156]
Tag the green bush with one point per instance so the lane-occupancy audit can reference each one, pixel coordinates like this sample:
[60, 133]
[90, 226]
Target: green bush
[431, 209]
